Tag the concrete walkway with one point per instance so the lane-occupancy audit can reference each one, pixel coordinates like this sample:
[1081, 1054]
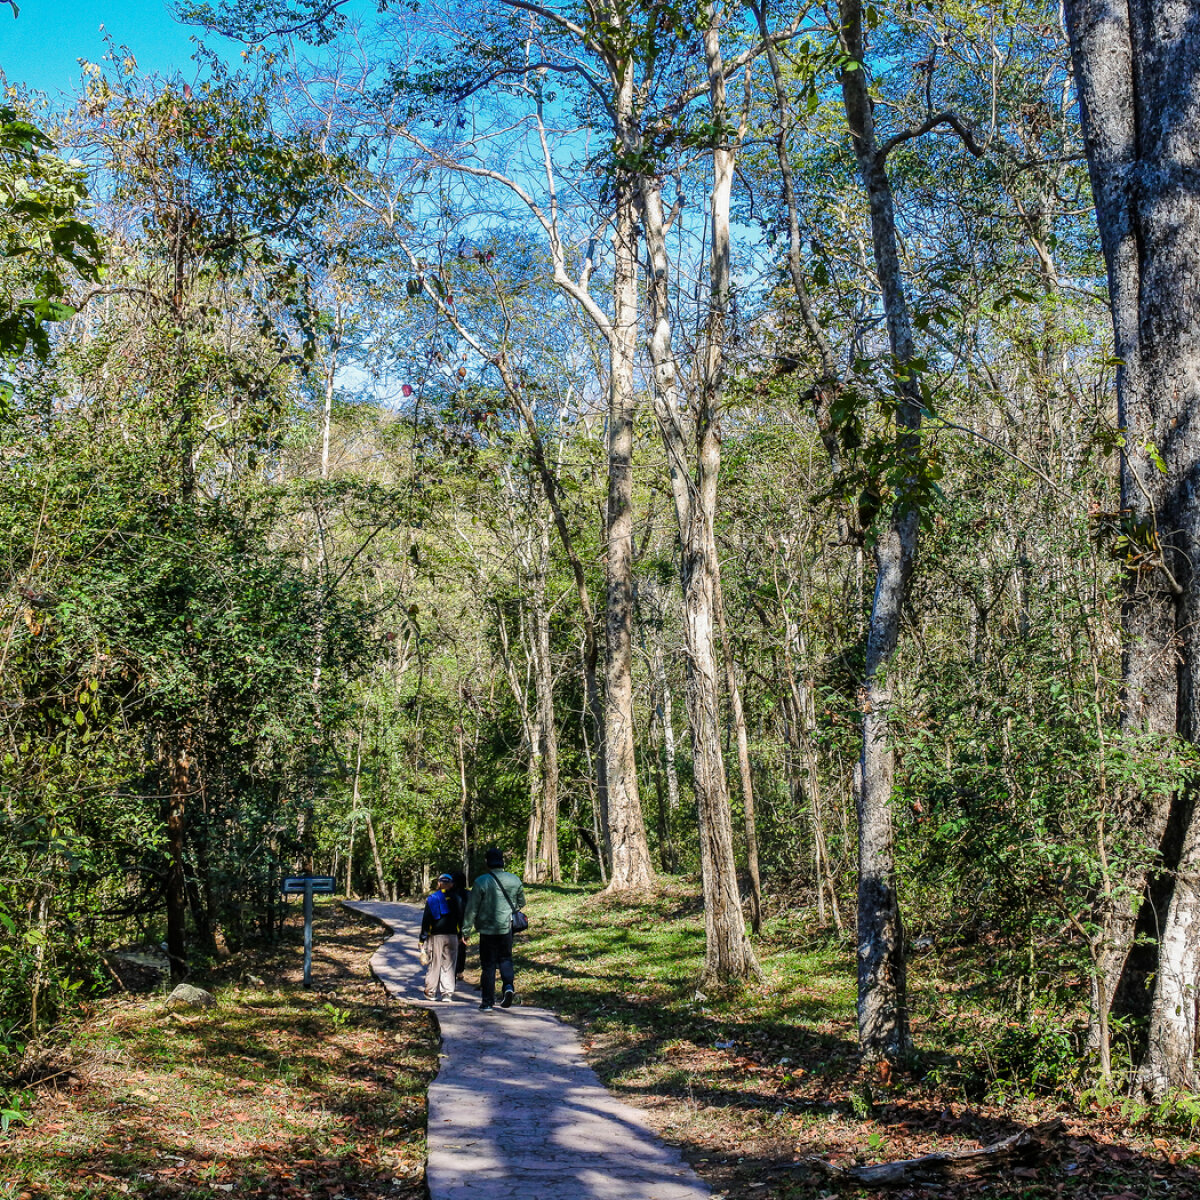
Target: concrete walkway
[515, 1112]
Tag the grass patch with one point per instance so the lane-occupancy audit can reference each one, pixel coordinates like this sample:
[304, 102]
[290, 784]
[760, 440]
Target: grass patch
[755, 1084]
[282, 1094]
[277, 1093]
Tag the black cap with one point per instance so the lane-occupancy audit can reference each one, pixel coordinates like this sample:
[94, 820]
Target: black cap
[494, 857]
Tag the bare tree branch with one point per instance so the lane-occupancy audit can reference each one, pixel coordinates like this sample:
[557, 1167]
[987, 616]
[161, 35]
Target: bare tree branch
[953, 120]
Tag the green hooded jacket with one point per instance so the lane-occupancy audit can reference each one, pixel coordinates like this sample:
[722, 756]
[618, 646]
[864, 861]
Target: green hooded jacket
[487, 909]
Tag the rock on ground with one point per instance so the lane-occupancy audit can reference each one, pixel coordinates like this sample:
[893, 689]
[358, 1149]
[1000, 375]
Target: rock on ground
[186, 996]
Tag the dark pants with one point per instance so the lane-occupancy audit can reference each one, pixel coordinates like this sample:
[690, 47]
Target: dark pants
[495, 950]
[460, 961]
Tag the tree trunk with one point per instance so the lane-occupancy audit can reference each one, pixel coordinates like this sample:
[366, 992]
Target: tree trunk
[39, 963]
[795, 766]
[534, 862]
[533, 827]
[179, 767]
[654, 737]
[350, 855]
[882, 985]
[664, 706]
[465, 799]
[548, 734]
[380, 878]
[529, 720]
[804, 765]
[596, 841]
[629, 852]
[542, 861]
[1170, 1063]
[1137, 70]
[882, 980]
[728, 954]
[354, 801]
[743, 748]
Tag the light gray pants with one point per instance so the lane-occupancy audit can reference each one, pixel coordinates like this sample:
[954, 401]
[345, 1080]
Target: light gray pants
[443, 951]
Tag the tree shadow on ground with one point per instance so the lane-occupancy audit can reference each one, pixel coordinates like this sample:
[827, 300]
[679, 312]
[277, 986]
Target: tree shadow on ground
[278, 1093]
[757, 1090]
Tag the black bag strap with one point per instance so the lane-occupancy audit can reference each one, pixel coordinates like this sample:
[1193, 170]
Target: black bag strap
[504, 890]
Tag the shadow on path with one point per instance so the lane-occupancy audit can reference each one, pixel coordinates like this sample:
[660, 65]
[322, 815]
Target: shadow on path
[515, 1112]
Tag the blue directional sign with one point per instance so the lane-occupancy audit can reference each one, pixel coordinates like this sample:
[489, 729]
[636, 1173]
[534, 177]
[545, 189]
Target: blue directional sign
[308, 886]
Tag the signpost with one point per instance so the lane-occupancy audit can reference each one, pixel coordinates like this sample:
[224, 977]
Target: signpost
[308, 885]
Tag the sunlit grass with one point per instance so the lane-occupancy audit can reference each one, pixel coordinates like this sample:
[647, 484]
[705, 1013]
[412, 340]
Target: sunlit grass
[276, 1092]
[632, 965]
[754, 1081]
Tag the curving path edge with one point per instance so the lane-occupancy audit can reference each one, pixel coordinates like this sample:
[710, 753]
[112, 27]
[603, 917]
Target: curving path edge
[515, 1112]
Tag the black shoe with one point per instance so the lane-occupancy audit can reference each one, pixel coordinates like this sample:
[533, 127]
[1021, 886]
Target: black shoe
[509, 996]
[487, 1008]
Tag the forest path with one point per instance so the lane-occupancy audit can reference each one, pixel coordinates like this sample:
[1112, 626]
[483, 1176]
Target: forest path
[515, 1112]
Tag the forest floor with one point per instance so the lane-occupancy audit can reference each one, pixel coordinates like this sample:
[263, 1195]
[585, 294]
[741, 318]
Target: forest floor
[277, 1093]
[282, 1093]
[760, 1087]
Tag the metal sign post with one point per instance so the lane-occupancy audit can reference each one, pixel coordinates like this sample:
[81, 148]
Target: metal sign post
[294, 885]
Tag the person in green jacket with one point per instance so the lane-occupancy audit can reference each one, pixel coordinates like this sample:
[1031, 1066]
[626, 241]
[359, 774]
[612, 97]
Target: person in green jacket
[496, 895]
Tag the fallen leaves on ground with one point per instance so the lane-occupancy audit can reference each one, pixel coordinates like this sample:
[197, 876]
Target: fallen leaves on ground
[278, 1093]
[760, 1088]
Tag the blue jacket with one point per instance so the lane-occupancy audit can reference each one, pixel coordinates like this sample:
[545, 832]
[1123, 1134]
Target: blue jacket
[443, 914]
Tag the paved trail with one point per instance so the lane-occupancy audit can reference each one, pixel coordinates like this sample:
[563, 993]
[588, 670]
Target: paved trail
[515, 1112]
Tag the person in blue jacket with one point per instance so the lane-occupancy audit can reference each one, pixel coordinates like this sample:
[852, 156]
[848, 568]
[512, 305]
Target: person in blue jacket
[441, 927]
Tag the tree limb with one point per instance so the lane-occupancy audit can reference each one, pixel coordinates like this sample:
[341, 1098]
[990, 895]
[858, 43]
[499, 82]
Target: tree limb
[930, 123]
[1026, 1144]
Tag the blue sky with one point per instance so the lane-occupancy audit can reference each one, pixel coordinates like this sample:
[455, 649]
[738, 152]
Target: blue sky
[40, 47]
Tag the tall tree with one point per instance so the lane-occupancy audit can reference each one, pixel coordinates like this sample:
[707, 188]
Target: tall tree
[694, 471]
[1137, 70]
[220, 196]
[882, 983]
[494, 48]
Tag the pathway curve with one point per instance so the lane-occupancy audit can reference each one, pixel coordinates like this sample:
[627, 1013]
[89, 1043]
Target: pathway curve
[515, 1112]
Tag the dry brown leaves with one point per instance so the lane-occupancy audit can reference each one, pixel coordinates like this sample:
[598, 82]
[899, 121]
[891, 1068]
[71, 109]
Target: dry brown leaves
[278, 1093]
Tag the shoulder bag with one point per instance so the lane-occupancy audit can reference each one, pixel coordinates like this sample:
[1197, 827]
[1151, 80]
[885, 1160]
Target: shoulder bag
[520, 922]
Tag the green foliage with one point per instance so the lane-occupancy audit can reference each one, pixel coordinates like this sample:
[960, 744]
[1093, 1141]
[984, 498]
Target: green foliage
[156, 612]
[337, 1016]
[316, 21]
[1013, 775]
[186, 618]
[13, 1115]
[1177, 1110]
[1041, 1056]
[44, 244]
[269, 502]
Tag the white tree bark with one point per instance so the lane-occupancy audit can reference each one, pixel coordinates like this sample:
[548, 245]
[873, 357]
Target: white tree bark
[694, 475]
[629, 852]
